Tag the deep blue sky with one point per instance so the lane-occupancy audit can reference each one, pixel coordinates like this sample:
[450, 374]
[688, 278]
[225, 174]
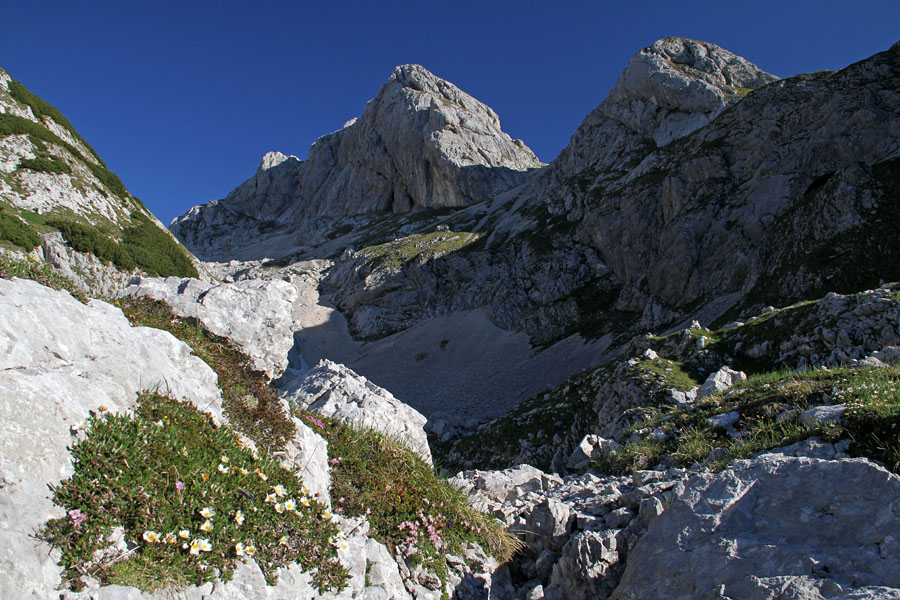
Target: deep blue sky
[183, 98]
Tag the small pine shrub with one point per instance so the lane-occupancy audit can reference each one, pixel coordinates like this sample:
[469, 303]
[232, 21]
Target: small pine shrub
[190, 499]
[154, 250]
[144, 245]
[45, 163]
[87, 239]
[13, 125]
[15, 230]
[42, 109]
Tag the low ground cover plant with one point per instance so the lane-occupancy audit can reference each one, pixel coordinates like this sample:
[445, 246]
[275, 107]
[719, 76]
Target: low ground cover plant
[411, 509]
[769, 406]
[43, 273]
[190, 500]
[18, 232]
[251, 405]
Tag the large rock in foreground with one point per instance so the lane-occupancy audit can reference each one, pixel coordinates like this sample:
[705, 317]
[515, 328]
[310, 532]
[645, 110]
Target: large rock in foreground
[771, 528]
[60, 359]
[254, 314]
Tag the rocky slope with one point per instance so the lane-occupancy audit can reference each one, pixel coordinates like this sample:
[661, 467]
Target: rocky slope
[59, 199]
[420, 143]
[769, 196]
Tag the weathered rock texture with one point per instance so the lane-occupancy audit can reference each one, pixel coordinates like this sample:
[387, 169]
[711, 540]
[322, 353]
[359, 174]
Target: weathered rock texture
[255, 314]
[53, 375]
[746, 206]
[60, 359]
[335, 391]
[421, 142]
[773, 527]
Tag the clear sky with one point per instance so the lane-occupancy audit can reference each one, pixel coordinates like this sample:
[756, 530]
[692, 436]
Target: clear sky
[182, 99]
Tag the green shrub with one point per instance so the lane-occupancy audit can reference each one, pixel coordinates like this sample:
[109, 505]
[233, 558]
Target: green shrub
[15, 230]
[192, 501]
[144, 245]
[87, 239]
[154, 250]
[406, 502]
[13, 125]
[42, 109]
[45, 163]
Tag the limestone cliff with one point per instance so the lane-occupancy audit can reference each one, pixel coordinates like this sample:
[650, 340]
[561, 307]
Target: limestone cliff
[421, 142]
[687, 192]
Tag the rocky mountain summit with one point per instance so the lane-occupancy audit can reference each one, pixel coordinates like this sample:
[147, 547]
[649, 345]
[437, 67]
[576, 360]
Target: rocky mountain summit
[663, 366]
[420, 143]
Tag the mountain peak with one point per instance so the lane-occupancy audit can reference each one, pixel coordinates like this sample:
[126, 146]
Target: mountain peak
[677, 85]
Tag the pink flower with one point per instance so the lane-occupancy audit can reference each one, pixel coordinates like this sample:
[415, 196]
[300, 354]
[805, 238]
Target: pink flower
[179, 485]
[315, 422]
[77, 517]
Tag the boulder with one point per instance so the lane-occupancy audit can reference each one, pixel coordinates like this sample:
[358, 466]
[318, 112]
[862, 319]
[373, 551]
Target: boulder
[820, 415]
[591, 447]
[489, 488]
[335, 391]
[254, 314]
[773, 527]
[59, 360]
[720, 381]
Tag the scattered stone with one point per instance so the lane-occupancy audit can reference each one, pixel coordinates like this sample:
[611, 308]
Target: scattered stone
[823, 414]
[720, 381]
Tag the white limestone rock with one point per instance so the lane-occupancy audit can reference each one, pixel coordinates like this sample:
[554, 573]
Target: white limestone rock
[756, 531]
[678, 85]
[335, 391]
[720, 381]
[591, 447]
[254, 314]
[60, 359]
[489, 488]
[830, 413]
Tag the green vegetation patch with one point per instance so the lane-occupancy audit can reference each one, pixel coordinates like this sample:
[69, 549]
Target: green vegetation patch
[769, 407]
[406, 503]
[13, 125]
[671, 373]
[87, 239]
[39, 271]
[154, 250]
[144, 245]
[18, 232]
[42, 109]
[44, 162]
[192, 502]
[251, 405]
[395, 254]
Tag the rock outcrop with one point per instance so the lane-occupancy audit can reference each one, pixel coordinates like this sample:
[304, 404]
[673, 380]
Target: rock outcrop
[335, 391]
[421, 142]
[51, 377]
[255, 314]
[757, 531]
